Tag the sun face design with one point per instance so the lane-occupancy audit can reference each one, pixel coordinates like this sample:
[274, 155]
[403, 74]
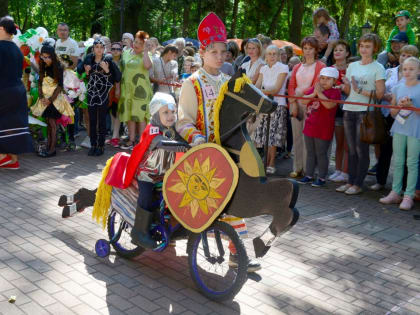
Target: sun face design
[199, 186]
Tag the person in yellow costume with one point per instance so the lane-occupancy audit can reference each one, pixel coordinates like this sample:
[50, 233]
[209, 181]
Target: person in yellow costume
[198, 97]
[51, 104]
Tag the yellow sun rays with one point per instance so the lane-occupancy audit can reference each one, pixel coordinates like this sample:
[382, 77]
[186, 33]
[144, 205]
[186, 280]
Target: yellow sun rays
[199, 186]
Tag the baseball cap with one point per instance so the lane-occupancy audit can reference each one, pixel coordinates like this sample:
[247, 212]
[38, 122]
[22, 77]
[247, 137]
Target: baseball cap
[403, 13]
[400, 37]
[329, 72]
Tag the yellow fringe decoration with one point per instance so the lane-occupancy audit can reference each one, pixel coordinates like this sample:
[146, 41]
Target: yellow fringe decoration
[103, 198]
[239, 84]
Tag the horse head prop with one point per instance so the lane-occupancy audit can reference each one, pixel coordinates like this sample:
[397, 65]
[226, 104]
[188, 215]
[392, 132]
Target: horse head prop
[255, 194]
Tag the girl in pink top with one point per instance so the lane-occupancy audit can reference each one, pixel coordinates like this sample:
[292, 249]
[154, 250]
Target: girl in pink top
[321, 16]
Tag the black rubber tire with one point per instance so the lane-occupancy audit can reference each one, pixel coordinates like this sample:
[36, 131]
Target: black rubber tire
[195, 239]
[119, 249]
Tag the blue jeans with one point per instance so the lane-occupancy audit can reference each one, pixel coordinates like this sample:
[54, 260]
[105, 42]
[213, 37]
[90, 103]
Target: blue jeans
[358, 150]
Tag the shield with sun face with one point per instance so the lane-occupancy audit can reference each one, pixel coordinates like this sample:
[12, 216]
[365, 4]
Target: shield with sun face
[199, 185]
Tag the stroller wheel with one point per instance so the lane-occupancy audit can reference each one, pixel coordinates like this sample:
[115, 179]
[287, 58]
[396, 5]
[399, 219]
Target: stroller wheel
[102, 248]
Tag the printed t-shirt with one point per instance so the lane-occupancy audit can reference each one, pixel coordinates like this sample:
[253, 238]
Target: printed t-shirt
[366, 77]
[319, 121]
[68, 47]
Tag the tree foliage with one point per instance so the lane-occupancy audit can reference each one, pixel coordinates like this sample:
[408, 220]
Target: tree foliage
[165, 19]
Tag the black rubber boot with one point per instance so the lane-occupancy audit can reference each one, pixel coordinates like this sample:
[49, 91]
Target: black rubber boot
[92, 151]
[140, 233]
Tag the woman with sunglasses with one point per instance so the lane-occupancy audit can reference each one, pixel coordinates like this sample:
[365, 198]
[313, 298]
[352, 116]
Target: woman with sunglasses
[102, 73]
[15, 137]
[114, 96]
[51, 103]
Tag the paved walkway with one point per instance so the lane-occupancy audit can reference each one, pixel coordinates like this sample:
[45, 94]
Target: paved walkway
[347, 255]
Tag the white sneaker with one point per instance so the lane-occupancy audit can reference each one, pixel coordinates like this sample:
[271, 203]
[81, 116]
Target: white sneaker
[86, 143]
[343, 188]
[342, 178]
[271, 170]
[353, 190]
[376, 187]
[334, 175]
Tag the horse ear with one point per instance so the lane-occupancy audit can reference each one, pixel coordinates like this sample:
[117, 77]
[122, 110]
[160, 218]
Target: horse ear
[237, 74]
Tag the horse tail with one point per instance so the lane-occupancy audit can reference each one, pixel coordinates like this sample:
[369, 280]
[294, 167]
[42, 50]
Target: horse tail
[103, 198]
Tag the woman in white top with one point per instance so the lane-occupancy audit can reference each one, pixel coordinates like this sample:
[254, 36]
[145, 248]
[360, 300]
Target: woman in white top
[165, 69]
[272, 81]
[363, 79]
[253, 49]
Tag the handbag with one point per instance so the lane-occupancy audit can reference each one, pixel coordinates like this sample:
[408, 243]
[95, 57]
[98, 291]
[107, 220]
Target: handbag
[372, 128]
[155, 87]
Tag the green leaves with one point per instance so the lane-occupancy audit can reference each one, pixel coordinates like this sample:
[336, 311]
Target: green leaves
[172, 18]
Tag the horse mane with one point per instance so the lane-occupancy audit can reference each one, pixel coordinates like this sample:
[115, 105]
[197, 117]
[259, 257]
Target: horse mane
[239, 84]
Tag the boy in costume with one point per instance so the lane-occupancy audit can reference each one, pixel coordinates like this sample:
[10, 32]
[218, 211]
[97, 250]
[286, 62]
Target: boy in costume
[198, 96]
[149, 162]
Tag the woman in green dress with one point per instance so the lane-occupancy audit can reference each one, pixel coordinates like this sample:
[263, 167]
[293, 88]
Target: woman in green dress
[136, 91]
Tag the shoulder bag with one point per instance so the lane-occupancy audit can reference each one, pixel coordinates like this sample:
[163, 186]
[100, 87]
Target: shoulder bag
[372, 128]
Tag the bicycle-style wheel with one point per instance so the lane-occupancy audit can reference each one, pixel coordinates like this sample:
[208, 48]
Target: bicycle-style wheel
[208, 258]
[119, 236]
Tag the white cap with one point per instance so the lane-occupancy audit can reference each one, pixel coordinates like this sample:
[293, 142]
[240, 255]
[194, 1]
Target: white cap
[129, 36]
[159, 100]
[329, 72]
[89, 42]
[50, 41]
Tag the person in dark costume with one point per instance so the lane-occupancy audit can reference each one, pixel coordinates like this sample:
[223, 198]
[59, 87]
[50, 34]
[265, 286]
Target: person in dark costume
[51, 104]
[103, 73]
[15, 137]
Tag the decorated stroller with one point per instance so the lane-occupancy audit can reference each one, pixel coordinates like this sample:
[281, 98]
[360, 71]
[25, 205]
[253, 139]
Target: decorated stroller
[207, 185]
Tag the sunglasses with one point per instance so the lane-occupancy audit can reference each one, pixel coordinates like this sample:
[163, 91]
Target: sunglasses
[253, 40]
[116, 49]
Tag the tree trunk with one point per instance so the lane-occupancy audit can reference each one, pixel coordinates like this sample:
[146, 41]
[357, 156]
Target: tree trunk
[115, 32]
[257, 21]
[186, 19]
[4, 5]
[97, 15]
[232, 33]
[173, 28]
[131, 14]
[273, 25]
[295, 30]
[345, 19]
[220, 9]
